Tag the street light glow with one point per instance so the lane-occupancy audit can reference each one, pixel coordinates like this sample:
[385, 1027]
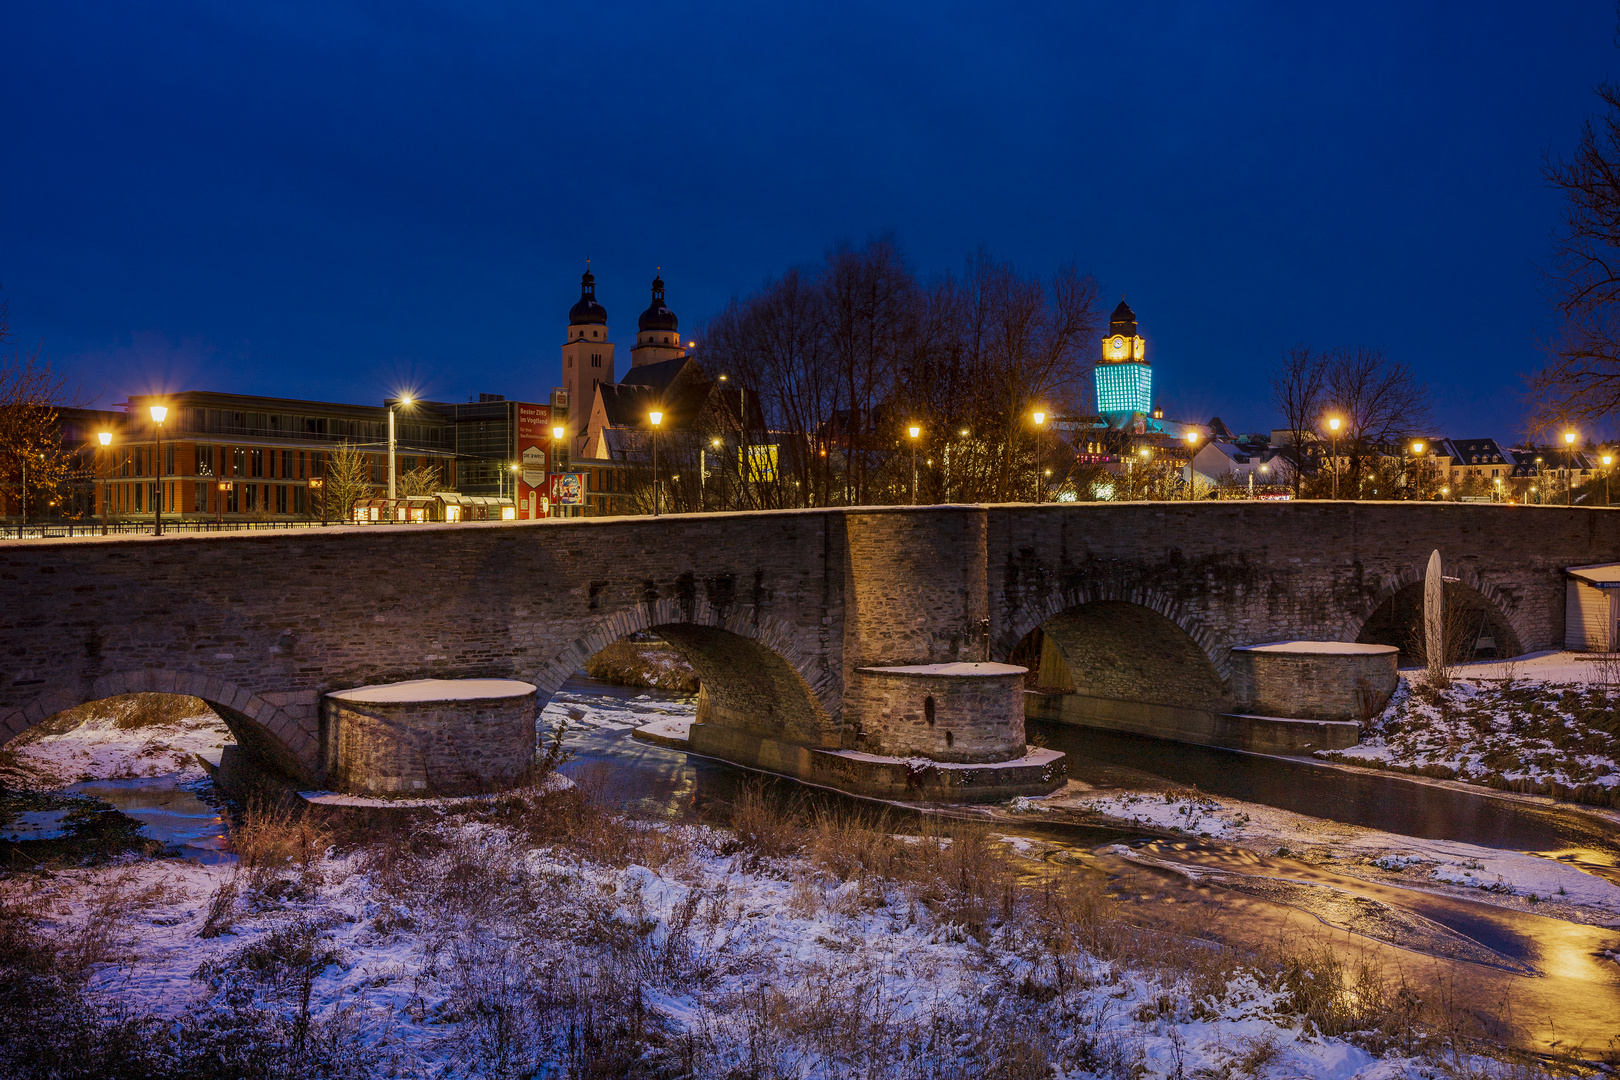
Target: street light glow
[106, 439]
[657, 417]
[1333, 423]
[557, 432]
[1417, 446]
[1569, 438]
[1192, 437]
[914, 431]
[158, 413]
[1040, 418]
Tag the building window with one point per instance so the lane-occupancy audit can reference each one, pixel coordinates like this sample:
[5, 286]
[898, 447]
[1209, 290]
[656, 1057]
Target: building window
[593, 333]
[298, 500]
[596, 359]
[256, 461]
[168, 460]
[570, 361]
[205, 461]
[199, 501]
[137, 488]
[232, 502]
[281, 499]
[238, 462]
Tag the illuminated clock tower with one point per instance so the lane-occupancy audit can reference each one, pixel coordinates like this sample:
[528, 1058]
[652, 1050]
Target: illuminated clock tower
[1124, 378]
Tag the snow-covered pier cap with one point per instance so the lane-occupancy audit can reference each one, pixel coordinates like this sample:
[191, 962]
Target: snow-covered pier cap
[430, 736]
[1314, 680]
[954, 712]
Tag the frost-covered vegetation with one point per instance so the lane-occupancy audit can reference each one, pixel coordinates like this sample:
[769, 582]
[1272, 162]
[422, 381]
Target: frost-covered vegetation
[549, 934]
[1559, 739]
[643, 661]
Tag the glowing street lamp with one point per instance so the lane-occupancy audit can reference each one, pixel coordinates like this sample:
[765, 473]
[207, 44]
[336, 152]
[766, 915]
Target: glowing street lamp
[1417, 465]
[316, 489]
[1334, 424]
[405, 403]
[1608, 459]
[914, 431]
[556, 437]
[1569, 458]
[1040, 426]
[159, 413]
[655, 418]
[105, 438]
[1192, 448]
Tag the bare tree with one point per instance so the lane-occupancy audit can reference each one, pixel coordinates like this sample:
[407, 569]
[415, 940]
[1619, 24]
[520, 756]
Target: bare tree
[347, 479]
[33, 460]
[1296, 394]
[1381, 403]
[422, 480]
[1582, 381]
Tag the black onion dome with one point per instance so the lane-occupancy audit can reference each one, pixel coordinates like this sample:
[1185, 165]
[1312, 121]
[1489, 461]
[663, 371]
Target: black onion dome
[587, 312]
[1123, 320]
[657, 316]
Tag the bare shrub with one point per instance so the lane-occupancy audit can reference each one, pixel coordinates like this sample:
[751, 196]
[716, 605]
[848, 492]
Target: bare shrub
[280, 849]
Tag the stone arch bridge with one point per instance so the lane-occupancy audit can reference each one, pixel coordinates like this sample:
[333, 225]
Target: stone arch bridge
[778, 611]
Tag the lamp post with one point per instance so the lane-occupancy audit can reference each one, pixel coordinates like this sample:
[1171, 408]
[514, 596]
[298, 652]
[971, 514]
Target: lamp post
[715, 444]
[223, 488]
[1498, 483]
[1192, 449]
[159, 412]
[105, 438]
[655, 418]
[1040, 421]
[317, 485]
[403, 402]
[556, 437]
[1608, 459]
[914, 431]
[1417, 465]
[1333, 427]
[1569, 462]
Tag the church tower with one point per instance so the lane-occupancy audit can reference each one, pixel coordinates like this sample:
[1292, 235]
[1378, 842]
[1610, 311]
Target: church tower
[1124, 378]
[587, 355]
[658, 336]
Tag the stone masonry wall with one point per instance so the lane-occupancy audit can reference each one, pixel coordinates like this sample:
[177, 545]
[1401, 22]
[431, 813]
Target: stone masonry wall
[1313, 686]
[1244, 572]
[974, 718]
[431, 747]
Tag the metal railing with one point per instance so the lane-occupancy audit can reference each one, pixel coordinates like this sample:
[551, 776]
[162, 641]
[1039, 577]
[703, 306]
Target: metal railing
[56, 530]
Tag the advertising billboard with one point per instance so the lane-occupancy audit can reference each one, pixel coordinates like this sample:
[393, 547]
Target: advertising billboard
[757, 463]
[568, 489]
[534, 458]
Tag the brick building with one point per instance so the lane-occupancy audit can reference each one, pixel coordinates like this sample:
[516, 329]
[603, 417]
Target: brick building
[243, 457]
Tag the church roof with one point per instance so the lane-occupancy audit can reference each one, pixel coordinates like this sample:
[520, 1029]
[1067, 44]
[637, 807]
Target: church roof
[657, 316]
[587, 312]
[659, 375]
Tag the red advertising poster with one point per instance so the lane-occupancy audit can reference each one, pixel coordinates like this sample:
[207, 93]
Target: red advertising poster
[534, 458]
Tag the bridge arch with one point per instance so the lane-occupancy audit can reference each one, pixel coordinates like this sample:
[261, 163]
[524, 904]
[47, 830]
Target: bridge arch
[754, 674]
[263, 730]
[1124, 657]
[1388, 619]
[1036, 614]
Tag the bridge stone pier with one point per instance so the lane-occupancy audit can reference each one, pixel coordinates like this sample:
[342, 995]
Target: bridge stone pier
[787, 616]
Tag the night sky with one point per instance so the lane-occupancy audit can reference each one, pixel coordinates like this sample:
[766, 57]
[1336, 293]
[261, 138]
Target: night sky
[339, 201]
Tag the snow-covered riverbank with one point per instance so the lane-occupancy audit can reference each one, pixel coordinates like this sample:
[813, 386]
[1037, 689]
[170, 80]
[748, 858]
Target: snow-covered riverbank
[1548, 724]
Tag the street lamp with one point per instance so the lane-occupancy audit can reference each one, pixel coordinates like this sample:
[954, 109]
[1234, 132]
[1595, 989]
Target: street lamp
[914, 431]
[1192, 447]
[404, 402]
[656, 418]
[159, 412]
[317, 485]
[1333, 426]
[224, 488]
[556, 437]
[1608, 459]
[1417, 465]
[105, 437]
[1040, 422]
[1130, 471]
[1498, 483]
[1569, 460]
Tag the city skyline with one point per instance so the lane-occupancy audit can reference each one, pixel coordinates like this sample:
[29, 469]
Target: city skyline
[338, 221]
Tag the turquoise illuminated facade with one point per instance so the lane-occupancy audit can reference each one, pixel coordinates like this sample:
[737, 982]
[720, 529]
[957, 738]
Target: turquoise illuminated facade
[1124, 378]
[1124, 389]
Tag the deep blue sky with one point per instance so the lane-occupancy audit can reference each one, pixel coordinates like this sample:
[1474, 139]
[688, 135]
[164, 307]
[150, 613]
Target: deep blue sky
[335, 200]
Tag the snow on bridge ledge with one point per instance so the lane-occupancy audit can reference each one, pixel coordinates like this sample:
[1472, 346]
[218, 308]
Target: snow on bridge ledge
[1319, 648]
[425, 690]
[949, 671]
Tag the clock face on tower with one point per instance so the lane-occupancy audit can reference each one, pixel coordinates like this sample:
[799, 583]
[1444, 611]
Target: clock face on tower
[1119, 345]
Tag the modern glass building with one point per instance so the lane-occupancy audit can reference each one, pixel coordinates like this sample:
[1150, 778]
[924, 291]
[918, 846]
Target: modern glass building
[1124, 378]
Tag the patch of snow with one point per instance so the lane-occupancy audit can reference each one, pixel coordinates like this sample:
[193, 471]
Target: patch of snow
[427, 690]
